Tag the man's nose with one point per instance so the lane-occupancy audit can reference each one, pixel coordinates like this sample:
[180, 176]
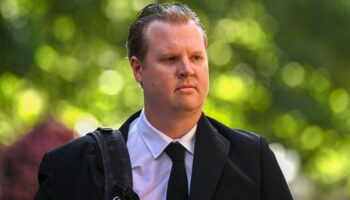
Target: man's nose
[186, 68]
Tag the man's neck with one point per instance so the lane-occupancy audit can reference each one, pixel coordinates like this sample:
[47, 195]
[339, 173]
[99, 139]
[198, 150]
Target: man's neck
[173, 124]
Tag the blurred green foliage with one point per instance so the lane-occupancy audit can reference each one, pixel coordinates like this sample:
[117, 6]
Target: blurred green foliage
[277, 68]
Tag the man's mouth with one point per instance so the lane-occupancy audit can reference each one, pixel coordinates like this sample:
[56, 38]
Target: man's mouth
[186, 88]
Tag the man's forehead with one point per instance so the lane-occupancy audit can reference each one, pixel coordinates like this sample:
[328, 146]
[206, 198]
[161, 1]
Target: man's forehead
[168, 24]
[167, 28]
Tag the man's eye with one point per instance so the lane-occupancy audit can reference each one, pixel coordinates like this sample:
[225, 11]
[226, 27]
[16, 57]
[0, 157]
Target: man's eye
[171, 58]
[195, 58]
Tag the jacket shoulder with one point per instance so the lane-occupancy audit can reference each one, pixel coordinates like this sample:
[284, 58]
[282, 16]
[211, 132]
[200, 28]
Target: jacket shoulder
[251, 155]
[83, 145]
[234, 134]
[242, 142]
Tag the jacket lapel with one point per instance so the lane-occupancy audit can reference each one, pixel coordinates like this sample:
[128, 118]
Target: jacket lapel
[210, 155]
[124, 129]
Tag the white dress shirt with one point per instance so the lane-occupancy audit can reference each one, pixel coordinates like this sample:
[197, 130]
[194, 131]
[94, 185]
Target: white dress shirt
[151, 166]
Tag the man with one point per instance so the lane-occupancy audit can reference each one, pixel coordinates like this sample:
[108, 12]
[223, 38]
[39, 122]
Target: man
[167, 53]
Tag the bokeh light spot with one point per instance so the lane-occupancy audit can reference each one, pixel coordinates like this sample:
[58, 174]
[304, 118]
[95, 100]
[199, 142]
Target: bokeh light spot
[244, 31]
[30, 103]
[293, 74]
[220, 53]
[330, 165]
[108, 59]
[286, 126]
[226, 30]
[229, 88]
[46, 57]
[117, 10]
[339, 100]
[69, 114]
[9, 84]
[12, 10]
[110, 82]
[68, 67]
[86, 123]
[311, 137]
[64, 28]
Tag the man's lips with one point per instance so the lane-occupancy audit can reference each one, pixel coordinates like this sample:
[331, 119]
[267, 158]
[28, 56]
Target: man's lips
[186, 87]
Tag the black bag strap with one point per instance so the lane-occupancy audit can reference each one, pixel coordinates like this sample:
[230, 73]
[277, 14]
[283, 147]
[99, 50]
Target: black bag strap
[116, 164]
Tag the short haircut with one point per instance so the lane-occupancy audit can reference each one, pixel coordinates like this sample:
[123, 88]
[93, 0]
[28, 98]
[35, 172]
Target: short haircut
[172, 13]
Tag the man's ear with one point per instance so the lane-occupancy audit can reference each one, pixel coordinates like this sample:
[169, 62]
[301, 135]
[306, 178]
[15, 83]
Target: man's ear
[135, 64]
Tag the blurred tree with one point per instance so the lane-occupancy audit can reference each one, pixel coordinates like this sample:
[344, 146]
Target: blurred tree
[20, 162]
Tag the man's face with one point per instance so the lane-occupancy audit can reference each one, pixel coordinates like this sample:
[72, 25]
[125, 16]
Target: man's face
[174, 72]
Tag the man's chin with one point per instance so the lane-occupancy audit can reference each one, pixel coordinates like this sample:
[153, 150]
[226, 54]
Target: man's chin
[188, 107]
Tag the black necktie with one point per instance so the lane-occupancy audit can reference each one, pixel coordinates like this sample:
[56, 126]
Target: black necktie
[177, 185]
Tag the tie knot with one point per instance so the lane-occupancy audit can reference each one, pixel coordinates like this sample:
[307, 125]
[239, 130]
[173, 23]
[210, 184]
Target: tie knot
[176, 152]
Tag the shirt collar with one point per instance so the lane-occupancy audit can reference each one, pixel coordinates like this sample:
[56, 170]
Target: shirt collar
[156, 141]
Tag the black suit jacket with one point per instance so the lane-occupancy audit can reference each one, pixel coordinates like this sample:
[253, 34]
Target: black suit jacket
[228, 164]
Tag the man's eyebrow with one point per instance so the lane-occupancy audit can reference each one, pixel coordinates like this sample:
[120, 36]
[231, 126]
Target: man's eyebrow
[162, 55]
[199, 52]
[174, 53]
